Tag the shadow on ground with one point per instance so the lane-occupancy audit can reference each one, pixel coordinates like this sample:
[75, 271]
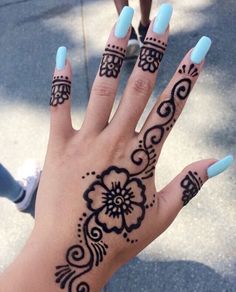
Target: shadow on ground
[174, 276]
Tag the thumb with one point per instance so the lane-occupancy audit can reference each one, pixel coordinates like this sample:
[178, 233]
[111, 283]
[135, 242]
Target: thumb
[185, 186]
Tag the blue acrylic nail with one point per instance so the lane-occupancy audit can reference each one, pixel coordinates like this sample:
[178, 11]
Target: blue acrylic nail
[220, 166]
[124, 22]
[200, 50]
[61, 58]
[163, 18]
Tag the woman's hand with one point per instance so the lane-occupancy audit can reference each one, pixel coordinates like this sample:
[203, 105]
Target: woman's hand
[97, 203]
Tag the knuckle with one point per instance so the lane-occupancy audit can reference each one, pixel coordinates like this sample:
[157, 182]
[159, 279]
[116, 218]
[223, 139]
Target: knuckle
[102, 90]
[141, 85]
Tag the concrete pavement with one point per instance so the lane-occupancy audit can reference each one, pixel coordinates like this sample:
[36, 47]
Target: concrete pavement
[198, 252]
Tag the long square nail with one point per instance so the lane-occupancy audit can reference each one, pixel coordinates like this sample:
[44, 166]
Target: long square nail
[163, 18]
[200, 50]
[124, 22]
[220, 166]
[61, 58]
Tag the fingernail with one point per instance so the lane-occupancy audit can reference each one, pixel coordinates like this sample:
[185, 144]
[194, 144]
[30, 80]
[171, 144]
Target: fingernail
[163, 18]
[220, 166]
[61, 58]
[200, 50]
[124, 22]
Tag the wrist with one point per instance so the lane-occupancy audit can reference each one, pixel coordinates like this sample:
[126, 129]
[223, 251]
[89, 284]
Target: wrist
[35, 267]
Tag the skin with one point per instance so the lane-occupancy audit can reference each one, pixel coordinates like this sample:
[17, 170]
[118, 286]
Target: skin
[96, 146]
[145, 8]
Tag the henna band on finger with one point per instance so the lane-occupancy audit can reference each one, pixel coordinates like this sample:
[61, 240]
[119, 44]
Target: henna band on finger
[112, 61]
[61, 88]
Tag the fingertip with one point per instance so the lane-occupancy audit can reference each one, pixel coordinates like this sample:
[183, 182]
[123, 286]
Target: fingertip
[201, 49]
[220, 166]
[61, 58]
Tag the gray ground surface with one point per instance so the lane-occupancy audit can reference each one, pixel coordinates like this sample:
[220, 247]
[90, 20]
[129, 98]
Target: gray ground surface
[198, 252]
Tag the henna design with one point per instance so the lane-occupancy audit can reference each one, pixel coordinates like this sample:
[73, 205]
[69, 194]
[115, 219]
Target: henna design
[151, 54]
[116, 203]
[152, 203]
[116, 199]
[145, 156]
[112, 61]
[61, 87]
[191, 184]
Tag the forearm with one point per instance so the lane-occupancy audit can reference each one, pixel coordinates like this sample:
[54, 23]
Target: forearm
[34, 268]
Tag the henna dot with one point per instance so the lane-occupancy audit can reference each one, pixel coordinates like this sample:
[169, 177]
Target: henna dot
[154, 195]
[150, 39]
[154, 40]
[132, 241]
[87, 173]
[136, 240]
[125, 235]
[79, 225]
[117, 48]
[171, 125]
[153, 201]
[93, 172]
[81, 241]
[108, 45]
[84, 214]
[67, 78]
[128, 240]
[163, 44]
[80, 219]
[147, 206]
[98, 176]
[79, 230]
[159, 41]
[61, 76]
[140, 141]
[79, 235]
[151, 205]
[140, 146]
[113, 46]
[195, 172]
[83, 177]
[167, 129]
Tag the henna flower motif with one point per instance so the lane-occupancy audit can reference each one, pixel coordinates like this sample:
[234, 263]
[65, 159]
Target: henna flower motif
[110, 65]
[117, 200]
[149, 59]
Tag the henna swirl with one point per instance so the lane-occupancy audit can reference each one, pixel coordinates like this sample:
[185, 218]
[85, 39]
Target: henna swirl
[95, 234]
[80, 287]
[153, 136]
[140, 157]
[74, 255]
[181, 89]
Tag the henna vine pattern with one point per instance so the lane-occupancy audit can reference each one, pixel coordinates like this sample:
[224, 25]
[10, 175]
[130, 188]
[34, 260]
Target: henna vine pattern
[116, 200]
[151, 54]
[112, 61]
[145, 156]
[61, 87]
[191, 184]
